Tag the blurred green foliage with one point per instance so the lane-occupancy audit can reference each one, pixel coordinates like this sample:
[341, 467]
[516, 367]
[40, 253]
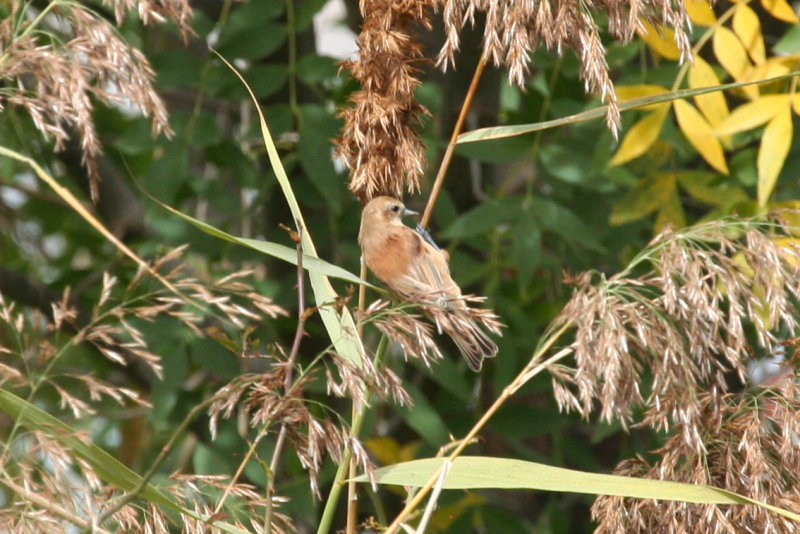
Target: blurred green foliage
[548, 204]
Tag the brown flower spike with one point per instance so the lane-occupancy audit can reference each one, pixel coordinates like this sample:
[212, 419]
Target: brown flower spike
[379, 145]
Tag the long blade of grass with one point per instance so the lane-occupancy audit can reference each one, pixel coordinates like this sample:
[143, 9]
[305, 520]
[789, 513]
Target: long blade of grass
[473, 472]
[276, 250]
[501, 132]
[338, 321]
[108, 468]
[67, 196]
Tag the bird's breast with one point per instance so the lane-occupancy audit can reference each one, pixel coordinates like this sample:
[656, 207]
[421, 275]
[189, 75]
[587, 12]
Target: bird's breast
[389, 259]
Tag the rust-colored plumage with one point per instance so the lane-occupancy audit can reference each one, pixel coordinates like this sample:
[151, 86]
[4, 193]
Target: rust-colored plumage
[416, 270]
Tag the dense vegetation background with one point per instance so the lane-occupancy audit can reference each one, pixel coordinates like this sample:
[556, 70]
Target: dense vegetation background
[92, 338]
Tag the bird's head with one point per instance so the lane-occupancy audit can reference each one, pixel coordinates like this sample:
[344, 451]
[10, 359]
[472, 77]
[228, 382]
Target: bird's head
[386, 210]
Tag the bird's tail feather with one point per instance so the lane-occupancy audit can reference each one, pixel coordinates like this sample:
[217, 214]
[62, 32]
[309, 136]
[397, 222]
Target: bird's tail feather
[473, 343]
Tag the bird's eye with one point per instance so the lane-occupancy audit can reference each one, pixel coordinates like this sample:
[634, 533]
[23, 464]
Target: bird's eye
[395, 208]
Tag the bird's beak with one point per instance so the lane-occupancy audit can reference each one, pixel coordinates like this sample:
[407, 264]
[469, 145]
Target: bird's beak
[408, 212]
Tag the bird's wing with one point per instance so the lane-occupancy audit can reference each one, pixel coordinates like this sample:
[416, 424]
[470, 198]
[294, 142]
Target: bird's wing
[430, 275]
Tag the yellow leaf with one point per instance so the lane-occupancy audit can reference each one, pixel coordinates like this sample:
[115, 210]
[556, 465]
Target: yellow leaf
[772, 154]
[780, 9]
[648, 196]
[747, 26]
[700, 135]
[753, 114]
[707, 188]
[789, 212]
[796, 103]
[788, 247]
[740, 260]
[629, 92]
[661, 40]
[751, 92]
[769, 69]
[447, 514]
[641, 136]
[730, 53]
[700, 12]
[386, 450]
[671, 213]
[712, 105]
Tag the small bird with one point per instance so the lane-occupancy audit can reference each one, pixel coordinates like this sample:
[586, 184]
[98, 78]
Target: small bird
[415, 269]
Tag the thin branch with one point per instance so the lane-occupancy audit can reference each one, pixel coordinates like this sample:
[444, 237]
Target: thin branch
[533, 367]
[352, 497]
[437, 490]
[448, 153]
[165, 451]
[302, 316]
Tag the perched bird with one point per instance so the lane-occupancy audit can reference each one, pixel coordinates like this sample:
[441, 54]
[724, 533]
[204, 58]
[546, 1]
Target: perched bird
[415, 269]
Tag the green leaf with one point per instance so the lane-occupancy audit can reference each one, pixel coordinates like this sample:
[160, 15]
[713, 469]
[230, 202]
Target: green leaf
[484, 218]
[474, 472]
[268, 78]
[423, 418]
[743, 166]
[317, 128]
[563, 222]
[560, 161]
[173, 163]
[789, 43]
[505, 152]
[527, 246]
[135, 138]
[251, 42]
[313, 69]
[304, 13]
[450, 378]
[338, 321]
[249, 14]
[108, 468]
[198, 130]
[312, 264]
[105, 465]
[177, 68]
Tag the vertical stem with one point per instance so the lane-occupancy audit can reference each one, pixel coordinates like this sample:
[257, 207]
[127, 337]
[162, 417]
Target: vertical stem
[287, 379]
[362, 299]
[291, 40]
[352, 495]
[344, 467]
[448, 153]
[533, 367]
